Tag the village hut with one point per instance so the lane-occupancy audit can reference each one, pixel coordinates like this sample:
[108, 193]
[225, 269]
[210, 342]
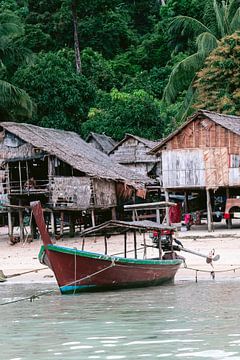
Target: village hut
[101, 142]
[69, 176]
[202, 155]
[133, 152]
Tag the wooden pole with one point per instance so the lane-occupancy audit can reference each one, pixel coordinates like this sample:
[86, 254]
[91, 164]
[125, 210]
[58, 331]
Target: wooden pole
[160, 246]
[83, 243]
[167, 208]
[21, 227]
[125, 244]
[72, 226]
[158, 216]
[105, 244]
[20, 176]
[61, 222]
[228, 221]
[144, 244]
[10, 224]
[93, 217]
[186, 202]
[209, 211]
[53, 223]
[135, 244]
[114, 213]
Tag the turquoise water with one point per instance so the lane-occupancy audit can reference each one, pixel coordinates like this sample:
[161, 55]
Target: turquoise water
[185, 321]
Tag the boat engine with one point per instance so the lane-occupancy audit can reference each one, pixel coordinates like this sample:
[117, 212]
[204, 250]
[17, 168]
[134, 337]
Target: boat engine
[165, 237]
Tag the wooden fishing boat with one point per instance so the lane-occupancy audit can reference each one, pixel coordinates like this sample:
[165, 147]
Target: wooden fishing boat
[79, 270]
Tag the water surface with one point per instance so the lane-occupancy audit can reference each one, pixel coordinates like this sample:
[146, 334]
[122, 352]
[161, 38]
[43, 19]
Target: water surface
[185, 321]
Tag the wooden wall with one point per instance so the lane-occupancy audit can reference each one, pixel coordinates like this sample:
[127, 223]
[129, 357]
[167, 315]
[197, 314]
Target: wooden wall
[203, 154]
[205, 134]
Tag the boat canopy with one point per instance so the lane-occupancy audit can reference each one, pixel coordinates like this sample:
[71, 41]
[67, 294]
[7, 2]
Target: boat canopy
[112, 227]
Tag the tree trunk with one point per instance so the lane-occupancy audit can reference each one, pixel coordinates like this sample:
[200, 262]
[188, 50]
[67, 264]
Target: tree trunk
[76, 40]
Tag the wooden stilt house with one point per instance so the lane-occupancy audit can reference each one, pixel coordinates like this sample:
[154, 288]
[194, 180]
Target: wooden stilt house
[133, 152]
[71, 178]
[202, 154]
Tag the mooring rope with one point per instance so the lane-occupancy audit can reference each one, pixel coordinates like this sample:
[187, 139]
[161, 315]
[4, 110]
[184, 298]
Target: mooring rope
[211, 272]
[37, 295]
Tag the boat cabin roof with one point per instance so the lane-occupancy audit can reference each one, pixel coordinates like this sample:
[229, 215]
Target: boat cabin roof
[149, 206]
[112, 227]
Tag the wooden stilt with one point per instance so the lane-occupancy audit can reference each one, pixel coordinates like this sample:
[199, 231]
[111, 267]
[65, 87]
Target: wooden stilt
[61, 222]
[72, 226]
[10, 224]
[125, 244]
[158, 216]
[21, 226]
[114, 214]
[209, 211]
[186, 207]
[228, 221]
[53, 224]
[167, 208]
[105, 244]
[93, 217]
[135, 243]
[160, 246]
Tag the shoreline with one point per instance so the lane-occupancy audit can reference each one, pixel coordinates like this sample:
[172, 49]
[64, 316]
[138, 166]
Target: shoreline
[24, 257]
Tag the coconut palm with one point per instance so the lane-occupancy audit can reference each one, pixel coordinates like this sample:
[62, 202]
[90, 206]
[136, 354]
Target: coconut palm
[227, 19]
[12, 98]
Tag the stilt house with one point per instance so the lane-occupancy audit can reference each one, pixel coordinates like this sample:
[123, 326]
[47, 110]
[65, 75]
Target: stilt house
[202, 154]
[101, 142]
[62, 171]
[133, 152]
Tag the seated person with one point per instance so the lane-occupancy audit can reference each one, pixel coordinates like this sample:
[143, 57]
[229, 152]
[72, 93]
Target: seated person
[30, 184]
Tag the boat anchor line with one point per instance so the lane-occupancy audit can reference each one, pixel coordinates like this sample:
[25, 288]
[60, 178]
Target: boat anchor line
[38, 295]
[211, 272]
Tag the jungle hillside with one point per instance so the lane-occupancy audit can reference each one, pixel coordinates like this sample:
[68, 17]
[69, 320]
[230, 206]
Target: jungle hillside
[118, 66]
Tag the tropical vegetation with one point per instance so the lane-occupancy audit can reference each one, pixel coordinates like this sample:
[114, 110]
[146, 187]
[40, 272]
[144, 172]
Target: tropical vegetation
[116, 66]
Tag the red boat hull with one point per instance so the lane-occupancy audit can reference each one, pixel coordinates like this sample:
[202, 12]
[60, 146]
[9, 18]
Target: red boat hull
[79, 271]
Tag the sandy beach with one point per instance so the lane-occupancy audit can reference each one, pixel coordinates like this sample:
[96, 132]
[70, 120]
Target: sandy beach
[22, 257]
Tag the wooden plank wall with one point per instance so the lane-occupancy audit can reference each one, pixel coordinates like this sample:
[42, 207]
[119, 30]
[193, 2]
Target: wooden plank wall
[131, 151]
[203, 134]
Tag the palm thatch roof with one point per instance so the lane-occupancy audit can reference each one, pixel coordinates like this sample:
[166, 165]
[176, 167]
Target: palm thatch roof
[105, 142]
[229, 122]
[148, 143]
[72, 149]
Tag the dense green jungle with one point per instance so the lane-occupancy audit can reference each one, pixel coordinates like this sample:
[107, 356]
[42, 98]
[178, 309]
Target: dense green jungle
[118, 66]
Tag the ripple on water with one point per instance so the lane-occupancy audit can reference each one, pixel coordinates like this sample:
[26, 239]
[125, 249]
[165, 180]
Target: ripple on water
[210, 354]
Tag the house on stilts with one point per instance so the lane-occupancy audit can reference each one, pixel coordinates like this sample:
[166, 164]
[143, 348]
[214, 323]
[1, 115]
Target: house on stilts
[202, 155]
[72, 179]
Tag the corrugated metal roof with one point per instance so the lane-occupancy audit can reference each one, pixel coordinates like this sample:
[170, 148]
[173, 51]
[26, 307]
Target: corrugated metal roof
[229, 122]
[72, 149]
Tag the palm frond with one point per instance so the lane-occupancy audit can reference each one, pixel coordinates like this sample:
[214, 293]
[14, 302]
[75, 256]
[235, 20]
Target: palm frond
[233, 7]
[182, 74]
[10, 24]
[187, 26]
[185, 109]
[219, 13]
[206, 42]
[235, 23]
[12, 96]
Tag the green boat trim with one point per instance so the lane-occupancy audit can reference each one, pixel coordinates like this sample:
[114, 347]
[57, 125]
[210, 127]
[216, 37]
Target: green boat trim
[76, 252]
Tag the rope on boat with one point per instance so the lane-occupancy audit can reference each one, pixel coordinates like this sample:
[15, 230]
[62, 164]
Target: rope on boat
[211, 272]
[38, 295]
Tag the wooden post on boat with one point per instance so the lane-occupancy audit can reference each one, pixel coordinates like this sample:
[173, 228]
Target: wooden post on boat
[125, 244]
[145, 247]
[160, 246]
[105, 244]
[83, 243]
[61, 222]
[209, 211]
[135, 243]
[53, 224]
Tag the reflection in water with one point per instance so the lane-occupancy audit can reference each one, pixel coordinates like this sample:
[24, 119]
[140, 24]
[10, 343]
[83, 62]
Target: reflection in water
[185, 320]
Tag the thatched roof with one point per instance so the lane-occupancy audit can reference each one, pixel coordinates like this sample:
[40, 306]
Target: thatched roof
[72, 149]
[229, 122]
[105, 142]
[148, 143]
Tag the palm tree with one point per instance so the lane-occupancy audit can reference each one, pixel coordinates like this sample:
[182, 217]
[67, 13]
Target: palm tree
[182, 77]
[12, 98]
